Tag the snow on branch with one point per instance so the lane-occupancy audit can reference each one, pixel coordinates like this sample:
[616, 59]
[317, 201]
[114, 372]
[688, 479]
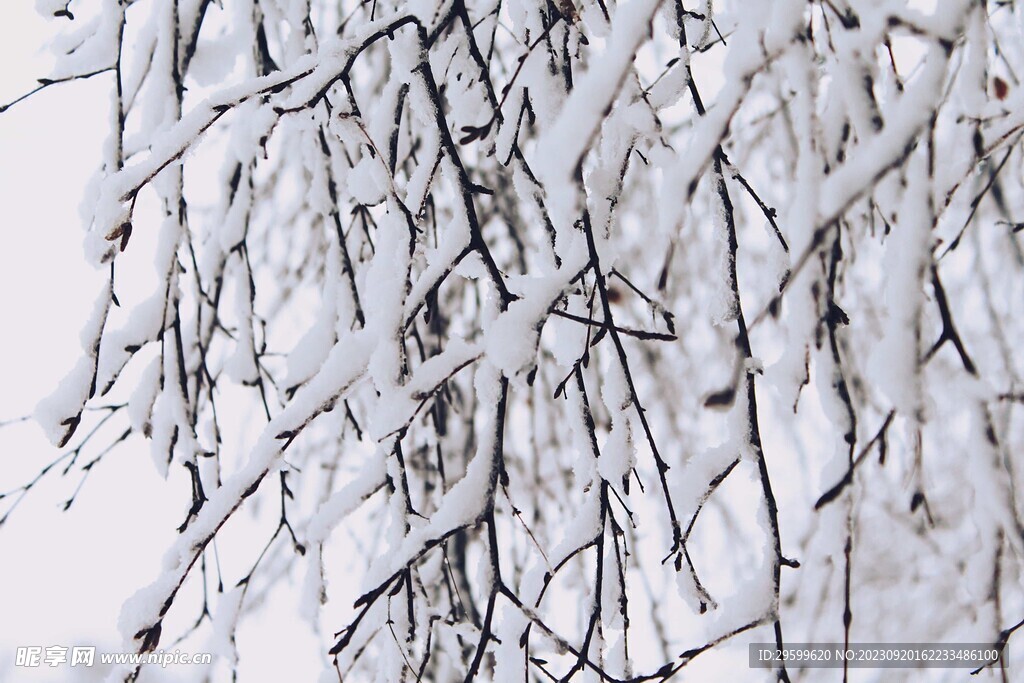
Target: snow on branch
[611, 333]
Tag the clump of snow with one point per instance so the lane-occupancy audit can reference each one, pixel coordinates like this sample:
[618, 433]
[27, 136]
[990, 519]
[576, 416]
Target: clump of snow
[241, 366]
[403, 402]
[225, 620]
[365, 181]
[90, 48]
[162, 434]
[309, 353]
[895, 363]
[51, 8]
[725, 304]
[564, 143]
[568, 337]
[511, 340]
[345, 501]
[66, 402]
[618, 455]
[140, 405]
[55, 412]
[510, 125]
